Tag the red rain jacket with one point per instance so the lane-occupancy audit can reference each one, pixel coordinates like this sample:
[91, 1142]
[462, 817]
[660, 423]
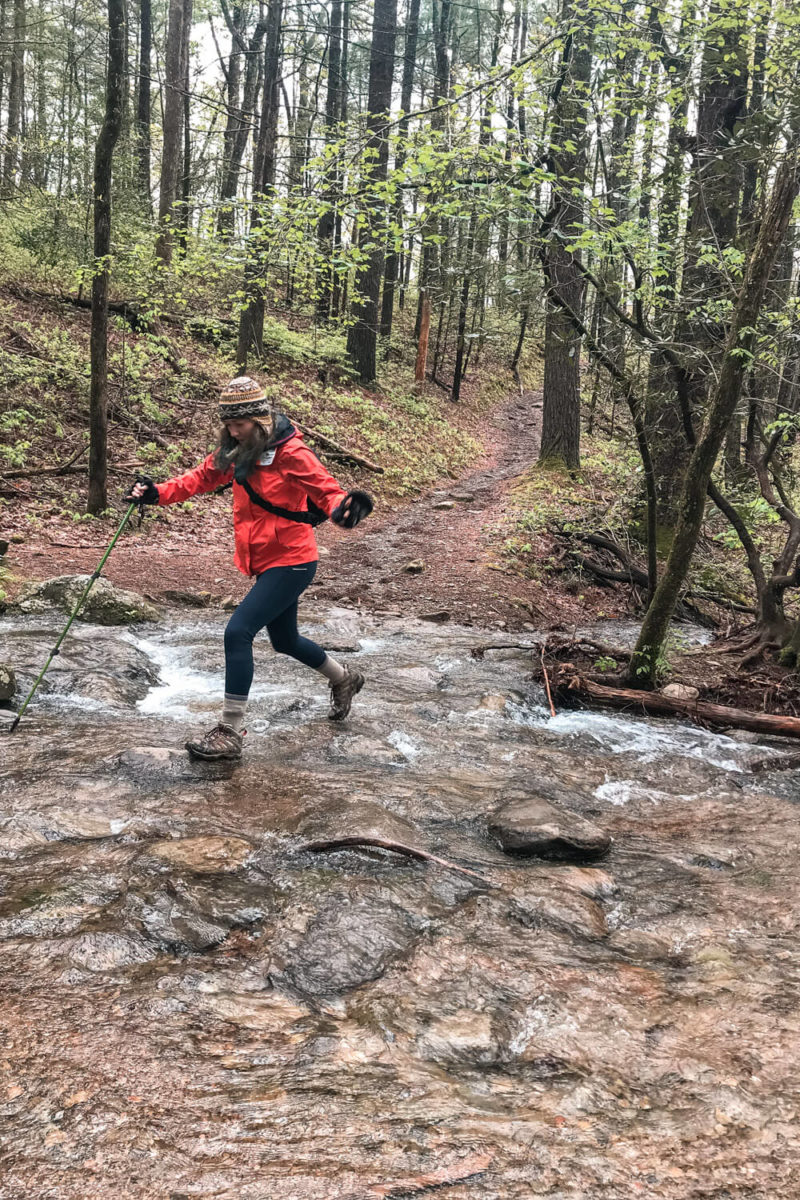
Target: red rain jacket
[261, 539]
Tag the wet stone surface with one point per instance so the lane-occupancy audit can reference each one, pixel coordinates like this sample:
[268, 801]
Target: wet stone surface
[206, 993]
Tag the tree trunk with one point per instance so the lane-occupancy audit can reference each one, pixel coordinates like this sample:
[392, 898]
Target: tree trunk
[362, 338]
[180, 21]
[234, 116]
[3, 60]
[326, 226]
[458, 370]
[714, 194]
[664, 417]
[104, 153]
[395, 239]
[646, 660]
[561, 422]
[430, 281]
[251, 320]
[240, 130]
[16, 98]
[183, 216]
[422, 344]
[143, 99]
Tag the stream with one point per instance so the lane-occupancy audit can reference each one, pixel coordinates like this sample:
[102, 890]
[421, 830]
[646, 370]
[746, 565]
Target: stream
[195, 1004]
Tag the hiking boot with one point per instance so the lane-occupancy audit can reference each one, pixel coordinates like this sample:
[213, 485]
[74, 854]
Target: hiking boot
[342, 694]
[220, 742]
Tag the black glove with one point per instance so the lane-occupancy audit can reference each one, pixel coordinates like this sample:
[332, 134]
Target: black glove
[148, 497]
[360, 506]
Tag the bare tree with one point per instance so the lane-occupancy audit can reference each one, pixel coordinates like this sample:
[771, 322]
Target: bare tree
[103, 159]
[180, 21]
[16, 97]
[362, 338]
[561, 408]
[143, 98]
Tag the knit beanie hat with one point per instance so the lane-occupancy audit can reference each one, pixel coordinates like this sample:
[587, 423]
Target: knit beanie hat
[243, 399]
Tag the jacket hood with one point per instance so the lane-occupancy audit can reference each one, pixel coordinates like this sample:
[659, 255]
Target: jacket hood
[284, 429]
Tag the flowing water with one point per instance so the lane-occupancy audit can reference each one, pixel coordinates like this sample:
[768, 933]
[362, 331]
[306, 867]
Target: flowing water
[194, 1004]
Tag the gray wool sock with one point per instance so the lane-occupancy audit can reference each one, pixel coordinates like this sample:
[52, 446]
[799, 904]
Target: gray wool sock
[233, 710]
[332, 670]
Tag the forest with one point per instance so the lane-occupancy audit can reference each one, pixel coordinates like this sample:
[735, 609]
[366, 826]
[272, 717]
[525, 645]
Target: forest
[399, 599]
[594, 199]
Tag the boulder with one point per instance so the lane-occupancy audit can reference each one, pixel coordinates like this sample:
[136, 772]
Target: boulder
[8, 683]
[534, 827]
[148, 760]
[680, 691]
[444, 504]
[106, 603]
[189, 599]
[415, 567]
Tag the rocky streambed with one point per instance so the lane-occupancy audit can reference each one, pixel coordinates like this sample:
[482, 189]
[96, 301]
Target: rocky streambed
[205, 993]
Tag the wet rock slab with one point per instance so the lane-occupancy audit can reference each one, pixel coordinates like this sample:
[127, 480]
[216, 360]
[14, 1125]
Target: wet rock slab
[350, 941]
[195, 1003]
[204, 855]
[535, 827]
[342, 822]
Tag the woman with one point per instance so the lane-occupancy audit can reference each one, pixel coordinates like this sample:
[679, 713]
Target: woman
[280, 491]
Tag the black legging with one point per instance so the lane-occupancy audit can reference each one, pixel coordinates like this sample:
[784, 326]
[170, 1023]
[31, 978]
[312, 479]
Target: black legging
[272, 601]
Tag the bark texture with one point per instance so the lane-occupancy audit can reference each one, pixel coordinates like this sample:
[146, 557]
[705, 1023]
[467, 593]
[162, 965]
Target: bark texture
[561, 409]
[362, 338]
[104, 154]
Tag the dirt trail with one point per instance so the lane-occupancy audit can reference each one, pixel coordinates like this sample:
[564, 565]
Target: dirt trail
[457, 545]
[463, 573]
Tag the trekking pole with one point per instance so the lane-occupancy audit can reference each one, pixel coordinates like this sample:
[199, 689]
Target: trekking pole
[90, 584]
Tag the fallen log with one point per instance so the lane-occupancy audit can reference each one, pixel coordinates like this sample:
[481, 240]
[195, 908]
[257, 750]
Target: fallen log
[342, 843]
[479, 651]
[330, 444]
[656, 704]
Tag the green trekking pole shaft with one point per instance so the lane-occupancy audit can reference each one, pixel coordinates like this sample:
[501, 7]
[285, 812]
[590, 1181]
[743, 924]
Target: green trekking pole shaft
[92, 579]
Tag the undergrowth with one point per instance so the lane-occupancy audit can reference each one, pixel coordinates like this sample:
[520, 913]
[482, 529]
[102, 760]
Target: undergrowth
[162, 393]
[552, 509]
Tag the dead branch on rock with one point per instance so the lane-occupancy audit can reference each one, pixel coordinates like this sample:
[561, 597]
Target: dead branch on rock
[341, 843]
[547, 684]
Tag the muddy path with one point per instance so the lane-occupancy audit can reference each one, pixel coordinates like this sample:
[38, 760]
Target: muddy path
[450, 535]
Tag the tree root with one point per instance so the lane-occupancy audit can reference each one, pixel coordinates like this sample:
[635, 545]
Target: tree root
[757, 653]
